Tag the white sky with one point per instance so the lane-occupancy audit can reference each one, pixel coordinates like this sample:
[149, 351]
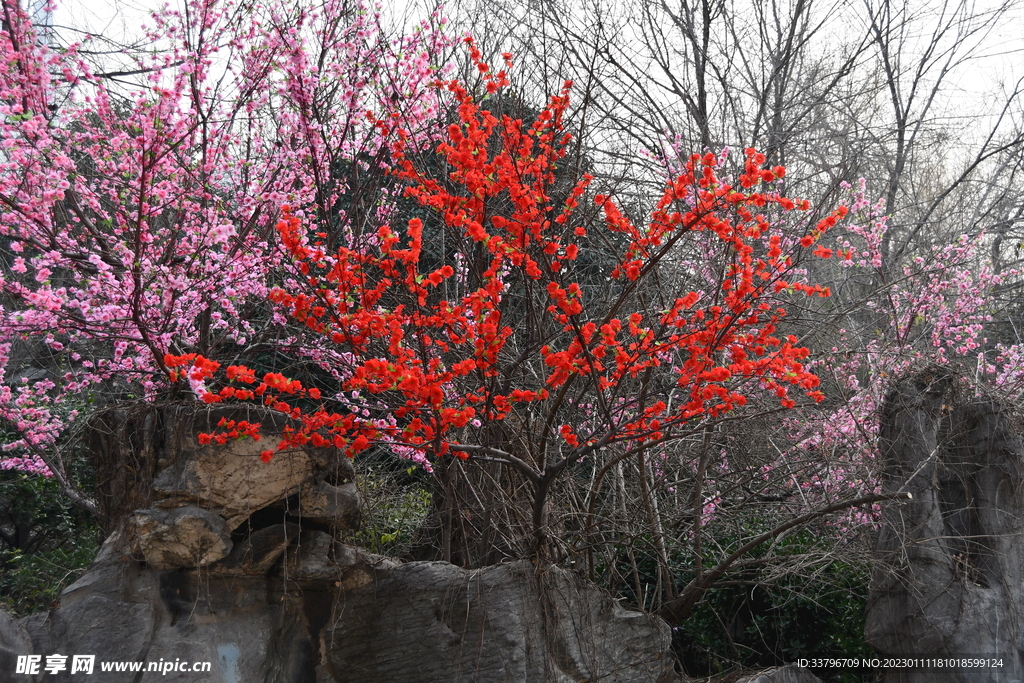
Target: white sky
[971, 92]
[119, 20]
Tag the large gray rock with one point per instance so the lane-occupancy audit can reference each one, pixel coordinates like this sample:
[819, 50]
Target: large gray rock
[231, 564]
[295, 606]
[947, 580]
[95, 625]
[14, 643]
[791, 673]
[432, 621]
[228, 478]
[336, 506]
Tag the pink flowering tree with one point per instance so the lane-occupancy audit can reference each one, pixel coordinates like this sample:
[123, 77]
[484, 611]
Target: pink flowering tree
[136, 217]
[938, 309]
[741, 480]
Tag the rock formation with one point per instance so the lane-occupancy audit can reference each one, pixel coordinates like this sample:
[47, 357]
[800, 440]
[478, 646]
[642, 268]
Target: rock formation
[791, 673]
[947, 581]
[233, 562]
[14, 643]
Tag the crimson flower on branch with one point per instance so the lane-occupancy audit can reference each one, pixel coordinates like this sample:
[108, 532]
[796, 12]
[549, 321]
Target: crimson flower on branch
[434, 355]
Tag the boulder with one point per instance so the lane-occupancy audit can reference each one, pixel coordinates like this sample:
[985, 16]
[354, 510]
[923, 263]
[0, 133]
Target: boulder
[948, 577]
[326, 612]
[335, 506]
[181, 537]
[791, 673]
[14, 643]
[232, 564]
[230, 478]
[432, 621]
[204, 498]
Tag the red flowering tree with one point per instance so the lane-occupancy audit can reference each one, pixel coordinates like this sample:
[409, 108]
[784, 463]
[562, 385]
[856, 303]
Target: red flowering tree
[440, 357]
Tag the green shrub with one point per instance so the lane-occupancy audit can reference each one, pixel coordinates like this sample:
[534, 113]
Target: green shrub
[396, 499]
[755, 620]
[45, 542]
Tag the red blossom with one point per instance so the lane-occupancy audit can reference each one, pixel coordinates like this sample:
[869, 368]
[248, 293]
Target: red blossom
[432, 353]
